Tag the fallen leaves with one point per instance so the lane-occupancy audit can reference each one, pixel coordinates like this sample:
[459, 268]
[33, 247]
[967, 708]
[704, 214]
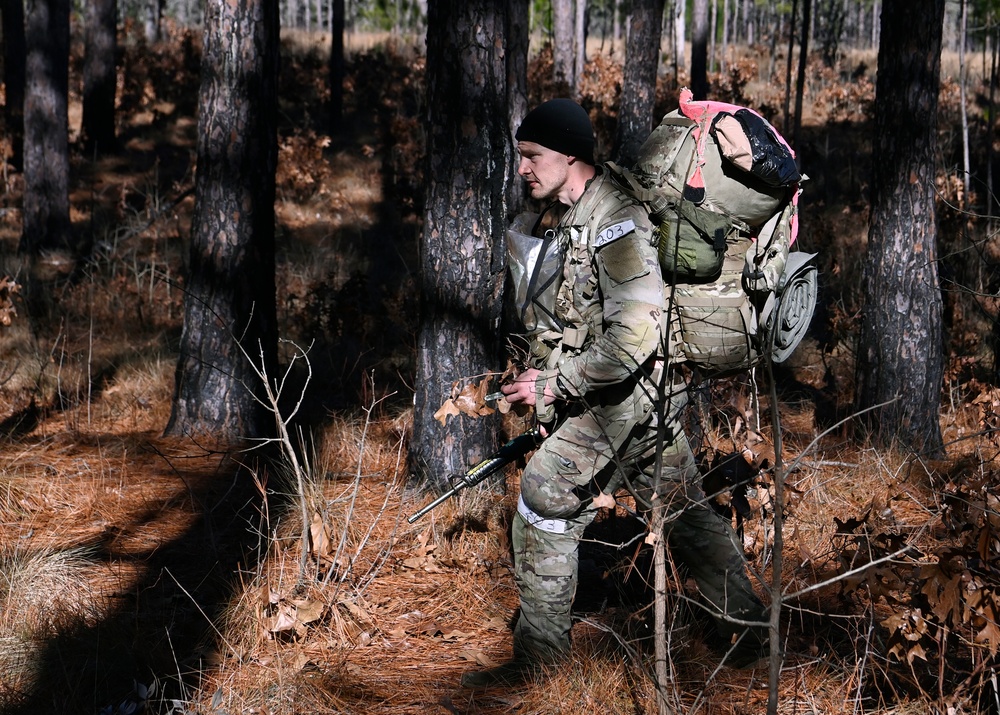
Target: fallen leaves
[468, 400]
[8, 289]
[427, 560]
[290, 616]
[906, 629]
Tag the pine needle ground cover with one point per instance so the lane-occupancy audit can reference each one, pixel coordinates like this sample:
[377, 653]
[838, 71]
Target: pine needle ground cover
[177, 575]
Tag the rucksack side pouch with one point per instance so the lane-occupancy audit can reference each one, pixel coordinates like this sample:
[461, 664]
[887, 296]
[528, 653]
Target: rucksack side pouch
[692, 243]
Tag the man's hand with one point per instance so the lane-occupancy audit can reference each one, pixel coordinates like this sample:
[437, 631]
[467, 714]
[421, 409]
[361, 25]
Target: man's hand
[522, 389]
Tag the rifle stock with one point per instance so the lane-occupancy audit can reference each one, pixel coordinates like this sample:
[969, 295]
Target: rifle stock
[513, 450]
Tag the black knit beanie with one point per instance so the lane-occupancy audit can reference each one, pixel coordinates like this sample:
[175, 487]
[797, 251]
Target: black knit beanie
[561, 125]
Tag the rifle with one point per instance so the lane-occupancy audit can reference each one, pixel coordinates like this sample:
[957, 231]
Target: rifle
[513, 450]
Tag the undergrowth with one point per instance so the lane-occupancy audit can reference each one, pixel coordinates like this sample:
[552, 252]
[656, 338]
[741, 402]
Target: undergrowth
[175, 576]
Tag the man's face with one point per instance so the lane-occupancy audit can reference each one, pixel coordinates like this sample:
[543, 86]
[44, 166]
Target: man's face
[545, 170]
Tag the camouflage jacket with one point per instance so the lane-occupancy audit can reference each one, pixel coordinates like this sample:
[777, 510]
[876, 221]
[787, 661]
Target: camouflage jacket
[610, 301]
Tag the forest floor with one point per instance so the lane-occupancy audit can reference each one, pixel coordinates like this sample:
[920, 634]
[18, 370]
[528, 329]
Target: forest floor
[167, 574]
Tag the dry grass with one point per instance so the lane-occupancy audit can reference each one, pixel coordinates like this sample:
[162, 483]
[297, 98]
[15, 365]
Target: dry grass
[406, 608]
[132, 561]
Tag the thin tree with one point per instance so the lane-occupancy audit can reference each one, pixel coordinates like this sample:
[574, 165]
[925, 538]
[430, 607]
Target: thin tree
[563, 56]
[46, 223]
[463, 257]
[152, 13]
[800, 78]
[963, 79]
[713, 32]
[337, 66]
[229, 306]
[748, 20]
[900, 354]
[678, 37]
[518, 25]
[642, 56]
[788, 69]
[14, 57]
[726, 26]
[993, 41]
[579, 41]
[99, 78]
[699, 50]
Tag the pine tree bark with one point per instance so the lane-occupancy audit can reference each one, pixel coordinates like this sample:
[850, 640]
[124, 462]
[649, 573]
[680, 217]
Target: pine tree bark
[518, 25]
[699, 50]
[642, 56]
[337, 66]
[46, 224]
[99, 77]
[463, 255]
[152, 13]
[800, 77]
[579, 41]
[229, 304]
[562, 47]
[900, 356]
[679, 39]
[14, 57]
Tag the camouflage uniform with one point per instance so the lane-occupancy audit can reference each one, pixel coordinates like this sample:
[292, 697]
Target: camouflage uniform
[603, 367]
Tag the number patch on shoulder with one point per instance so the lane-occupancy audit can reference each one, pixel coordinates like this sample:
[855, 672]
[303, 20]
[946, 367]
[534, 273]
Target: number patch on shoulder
[613, 233]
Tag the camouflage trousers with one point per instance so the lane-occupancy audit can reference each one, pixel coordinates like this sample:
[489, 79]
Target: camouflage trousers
[599, 448]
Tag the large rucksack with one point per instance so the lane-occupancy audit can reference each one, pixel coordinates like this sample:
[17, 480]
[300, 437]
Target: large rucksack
[722, 187]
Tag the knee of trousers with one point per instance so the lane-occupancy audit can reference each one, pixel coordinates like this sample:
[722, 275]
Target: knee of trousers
[549, 483]
[545, 566]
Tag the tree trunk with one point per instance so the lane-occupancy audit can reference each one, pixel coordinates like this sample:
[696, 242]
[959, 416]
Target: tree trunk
[151, 22]
[990, 125]
[562, 47]
[101, 19]
[800, 79]
[678, 37]
[642, 55]
[661, 653]
[962, 88]
[713, 31]
[518, 28]
[900, 354]
[46, 128]
[14, 57]
[616, 25]
[463, 254]
[580, 42]
[788, 70]
[337, 67]
[876, 25]
[726, 29]
[699, 50]
[229, 304]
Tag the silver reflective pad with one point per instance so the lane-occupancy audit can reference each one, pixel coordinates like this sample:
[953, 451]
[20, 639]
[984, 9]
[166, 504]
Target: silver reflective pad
[535, 266]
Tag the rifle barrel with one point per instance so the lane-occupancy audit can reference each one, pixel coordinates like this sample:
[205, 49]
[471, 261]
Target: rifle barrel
[514, 449]
[437, 502]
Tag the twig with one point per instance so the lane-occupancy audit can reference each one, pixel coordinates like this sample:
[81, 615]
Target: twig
[208, 620]
[357, 484]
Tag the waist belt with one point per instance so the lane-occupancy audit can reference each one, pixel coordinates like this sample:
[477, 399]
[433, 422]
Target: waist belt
[552, 526]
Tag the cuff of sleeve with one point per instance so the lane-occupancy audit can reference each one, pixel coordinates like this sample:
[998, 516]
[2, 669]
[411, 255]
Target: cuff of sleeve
[557, 383]
[546, 378]
[544, 413]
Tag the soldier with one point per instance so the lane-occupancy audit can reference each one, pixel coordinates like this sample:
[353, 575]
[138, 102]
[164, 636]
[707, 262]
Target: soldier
[601, 371]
